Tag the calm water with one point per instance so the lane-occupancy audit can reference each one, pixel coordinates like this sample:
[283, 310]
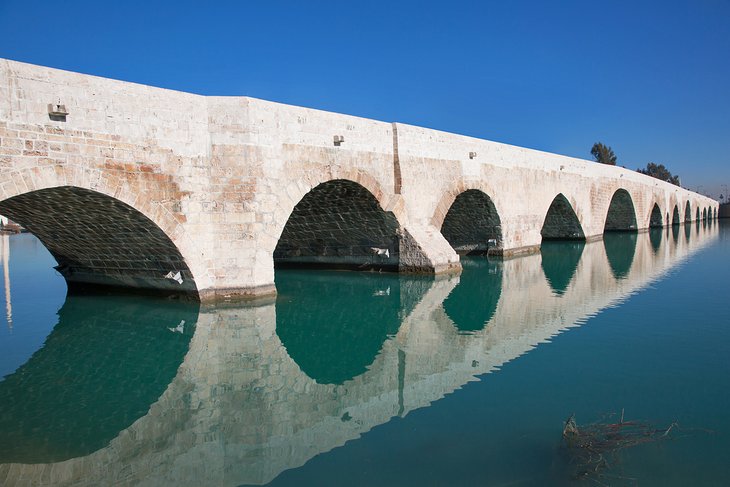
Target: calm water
[376, 379]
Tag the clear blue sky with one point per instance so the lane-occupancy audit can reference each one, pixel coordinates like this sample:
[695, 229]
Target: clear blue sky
[650, 79]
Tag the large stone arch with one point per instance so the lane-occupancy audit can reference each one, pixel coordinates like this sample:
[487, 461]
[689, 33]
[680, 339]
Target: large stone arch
[103, 236]
[655, 218]
[561, 221]
[621, 214]
[340, 223]
[472, 224]
[697, 215]
[687, 213]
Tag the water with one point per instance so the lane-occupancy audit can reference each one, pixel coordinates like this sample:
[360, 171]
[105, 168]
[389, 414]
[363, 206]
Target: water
[375, 379]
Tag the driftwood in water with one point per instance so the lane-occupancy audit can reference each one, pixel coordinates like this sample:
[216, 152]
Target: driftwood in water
[591, 448]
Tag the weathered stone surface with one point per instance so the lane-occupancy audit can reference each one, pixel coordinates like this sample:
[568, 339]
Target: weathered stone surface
[221, 177]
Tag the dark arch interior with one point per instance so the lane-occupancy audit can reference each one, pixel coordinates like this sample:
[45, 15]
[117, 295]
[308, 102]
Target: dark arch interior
[675, 216]
[704, 213]
[621, 214]
[99, 241]
[472, 303]
[620, 249]
[107, 360]
[339, 224]
[559, 263]
[687, 213]
[472, 225]
[561, 222]
[331, 343]
[697, 217]
[655, 220]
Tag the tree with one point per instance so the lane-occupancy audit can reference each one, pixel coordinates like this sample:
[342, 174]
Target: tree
[660, 172]
[603, 154]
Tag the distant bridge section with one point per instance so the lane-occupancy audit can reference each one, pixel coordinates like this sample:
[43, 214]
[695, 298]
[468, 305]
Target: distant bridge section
[135, 186]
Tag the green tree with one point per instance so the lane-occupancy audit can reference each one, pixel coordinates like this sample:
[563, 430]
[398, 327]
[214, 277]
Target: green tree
[603, 154]
[660, 172]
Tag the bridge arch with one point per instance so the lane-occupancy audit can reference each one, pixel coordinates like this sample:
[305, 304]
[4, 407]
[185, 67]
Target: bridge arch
[561, 222]
[472, 224]
[340, 223]
[697, 215]
[687, 213]
[98, 239]
[621, 215]
[655, 218]
[704, 214]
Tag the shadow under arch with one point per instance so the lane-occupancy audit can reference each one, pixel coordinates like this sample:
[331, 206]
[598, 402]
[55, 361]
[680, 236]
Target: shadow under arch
[687, 213]
[561, 222]
[107, 360]
[655, 219]
[339, 224]
[334, 326]
[704, 214]
[472, 224]
[675, 216]
[621, 214]
[620, 250]
[99, 241]
[559, 263]
[697, 215]
[473, 302]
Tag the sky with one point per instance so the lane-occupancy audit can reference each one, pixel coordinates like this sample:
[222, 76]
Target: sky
[650, 79]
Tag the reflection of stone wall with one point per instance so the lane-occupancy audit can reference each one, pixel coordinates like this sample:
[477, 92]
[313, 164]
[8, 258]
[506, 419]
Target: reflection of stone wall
[241, 411]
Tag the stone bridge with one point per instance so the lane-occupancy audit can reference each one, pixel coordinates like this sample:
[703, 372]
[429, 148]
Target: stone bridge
[241, 409]
[135, 186]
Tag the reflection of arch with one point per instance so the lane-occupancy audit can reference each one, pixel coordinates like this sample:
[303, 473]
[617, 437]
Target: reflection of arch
[472, 224]
[333, 344]
[675, 216]
[472, 303]
[687, 213]
[339, 223]
[620, 248]
[655, 237]
[621, 215]
[687, 232]
[559, 262]
[561, 222]
[100, 240]
[655, 220]
[105, 362]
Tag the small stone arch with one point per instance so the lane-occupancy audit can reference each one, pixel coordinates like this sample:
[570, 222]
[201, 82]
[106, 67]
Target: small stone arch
[687, 213]
[655, 219]
[99, 240]
[561, 221]
[675, 216]
[621, 215]
[697, 215]
[715, 214]
[704, 214]
[472, 224]
[339, 223]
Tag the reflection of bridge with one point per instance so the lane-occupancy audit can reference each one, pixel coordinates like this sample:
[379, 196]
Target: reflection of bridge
[240, 410]
[129, 185]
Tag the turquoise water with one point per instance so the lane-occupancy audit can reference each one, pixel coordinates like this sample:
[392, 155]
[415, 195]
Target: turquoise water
[377, 379]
